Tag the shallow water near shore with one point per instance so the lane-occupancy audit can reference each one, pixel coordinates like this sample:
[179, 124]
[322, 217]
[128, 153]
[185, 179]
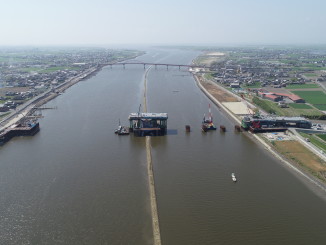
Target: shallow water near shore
[76, 182]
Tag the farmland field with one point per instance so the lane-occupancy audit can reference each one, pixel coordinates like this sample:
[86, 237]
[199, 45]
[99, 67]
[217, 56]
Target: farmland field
[294, 86]
[300, 106]
[312, 97]
[322, 136]
[321, 107]
[294, 110]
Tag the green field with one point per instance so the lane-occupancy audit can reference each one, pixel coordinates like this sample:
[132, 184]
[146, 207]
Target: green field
[321, 107]
[322, 136]
[272, 107]
[310, 74]
[255, 85]
[58, 68]
[294, 86]
[315, 140]
[31, 69]
[312, 97]
[300, 106]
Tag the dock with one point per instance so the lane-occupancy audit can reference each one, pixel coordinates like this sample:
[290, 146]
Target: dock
[26, 128]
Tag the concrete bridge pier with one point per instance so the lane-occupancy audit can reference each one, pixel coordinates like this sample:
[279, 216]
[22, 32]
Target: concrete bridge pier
[124, 67]
[167, 67]
[144, 66]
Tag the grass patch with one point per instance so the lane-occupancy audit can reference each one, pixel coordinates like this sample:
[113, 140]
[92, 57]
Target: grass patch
[208, 76]
[255, 85]
[315, 140]
[313, 97]
[321, 107]
[272, 107]
[300, 106]
[58, 68]
[310, 74]
[267, 106]
[5, 114]
[322, 136]
[294, 86]
[296, 152]
[31, 69]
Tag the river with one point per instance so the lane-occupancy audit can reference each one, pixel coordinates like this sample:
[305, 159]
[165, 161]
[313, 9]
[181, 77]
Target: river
[76, 182]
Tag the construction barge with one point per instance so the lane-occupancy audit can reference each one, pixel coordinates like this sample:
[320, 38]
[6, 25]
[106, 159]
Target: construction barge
[25, 128]
[148, 124]
[260, 124]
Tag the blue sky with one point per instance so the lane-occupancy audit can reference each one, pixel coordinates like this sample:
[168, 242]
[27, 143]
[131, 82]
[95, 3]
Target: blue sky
[107, 22]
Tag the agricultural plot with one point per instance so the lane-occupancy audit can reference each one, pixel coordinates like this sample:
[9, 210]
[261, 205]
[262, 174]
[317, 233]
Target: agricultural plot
[300, 106]
[312, 97]
[299, 86]
[321, 107]
[322, 136]
[292, 110]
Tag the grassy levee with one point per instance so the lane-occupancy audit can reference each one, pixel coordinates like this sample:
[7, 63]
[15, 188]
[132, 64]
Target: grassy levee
[322, 136]
[315, 140]
[297, 153]
[300, 106]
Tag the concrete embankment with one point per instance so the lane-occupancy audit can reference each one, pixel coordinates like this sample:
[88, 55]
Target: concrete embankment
[150, 171]
[260, 140]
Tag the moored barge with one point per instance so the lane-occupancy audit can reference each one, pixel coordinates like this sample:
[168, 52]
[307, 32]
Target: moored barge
[28, 128]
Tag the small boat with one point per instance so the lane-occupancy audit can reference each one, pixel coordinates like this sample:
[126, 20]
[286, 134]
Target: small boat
[233, 177]
[121, 130]
[207, 123]
[118, 129]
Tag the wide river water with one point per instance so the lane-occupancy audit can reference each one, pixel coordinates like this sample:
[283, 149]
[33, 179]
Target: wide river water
[76, 182]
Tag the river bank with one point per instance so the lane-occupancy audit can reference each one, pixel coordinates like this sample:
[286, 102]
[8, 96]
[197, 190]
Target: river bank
[29, 107]
[210, 91]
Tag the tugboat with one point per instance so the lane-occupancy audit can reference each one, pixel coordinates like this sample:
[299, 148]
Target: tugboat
[207, 123]
[121, 130]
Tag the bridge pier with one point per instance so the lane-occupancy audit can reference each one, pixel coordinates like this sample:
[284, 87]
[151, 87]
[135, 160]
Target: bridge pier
[144, 66]
[179, 68]
[167, 67]
[124, 67]
[111, 66]
[155, 67]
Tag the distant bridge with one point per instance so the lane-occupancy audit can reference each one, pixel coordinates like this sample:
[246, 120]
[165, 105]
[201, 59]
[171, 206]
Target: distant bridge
[155, 65]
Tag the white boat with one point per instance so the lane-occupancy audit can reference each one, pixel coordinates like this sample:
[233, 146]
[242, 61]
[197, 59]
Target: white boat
[233, 177]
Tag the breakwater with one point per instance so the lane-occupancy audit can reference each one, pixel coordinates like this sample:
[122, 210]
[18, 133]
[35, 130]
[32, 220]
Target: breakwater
[150, 171]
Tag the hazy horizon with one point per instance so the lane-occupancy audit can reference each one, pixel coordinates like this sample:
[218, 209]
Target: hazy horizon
[179, 22]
